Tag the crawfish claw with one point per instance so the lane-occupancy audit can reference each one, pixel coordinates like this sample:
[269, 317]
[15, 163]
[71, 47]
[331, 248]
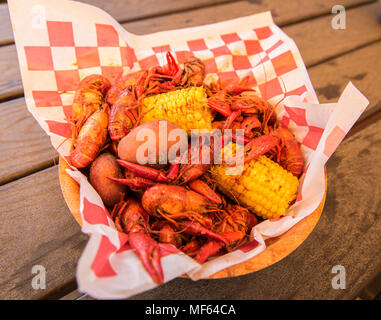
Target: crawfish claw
[148, 251]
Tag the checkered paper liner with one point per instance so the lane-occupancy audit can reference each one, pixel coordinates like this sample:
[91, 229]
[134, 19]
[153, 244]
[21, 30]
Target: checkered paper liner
[59, 42]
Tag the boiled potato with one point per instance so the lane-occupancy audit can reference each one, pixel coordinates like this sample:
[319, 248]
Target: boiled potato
[106, 166]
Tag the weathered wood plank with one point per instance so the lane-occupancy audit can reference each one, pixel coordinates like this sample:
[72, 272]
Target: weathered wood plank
[10, 82]
[319, 42]
[36, 229]
[362, 67]
[25, 147]
[124, 10]
[362, 29]
[129, 10]
[283, 12]
[6, 33]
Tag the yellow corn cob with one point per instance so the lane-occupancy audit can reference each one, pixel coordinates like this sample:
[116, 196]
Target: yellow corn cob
[188, 108]
[263, 186]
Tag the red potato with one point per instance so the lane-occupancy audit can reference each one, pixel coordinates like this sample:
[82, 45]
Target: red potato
[103, 167]
[129, 145]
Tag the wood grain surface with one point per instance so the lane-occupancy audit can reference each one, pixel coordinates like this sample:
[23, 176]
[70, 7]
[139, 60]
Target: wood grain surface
[38, 229]
[24, 146]
[361, 66]
[283, 12]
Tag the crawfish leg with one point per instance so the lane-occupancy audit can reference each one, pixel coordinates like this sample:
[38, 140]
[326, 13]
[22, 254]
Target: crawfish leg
[148, 252]
[196, 229]
[136, 183]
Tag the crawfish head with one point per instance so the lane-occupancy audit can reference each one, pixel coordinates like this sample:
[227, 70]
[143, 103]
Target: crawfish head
[220, 103]
[121, 84]
[232, 226]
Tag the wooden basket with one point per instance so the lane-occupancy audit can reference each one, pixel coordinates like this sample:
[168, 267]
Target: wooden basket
[277, 248]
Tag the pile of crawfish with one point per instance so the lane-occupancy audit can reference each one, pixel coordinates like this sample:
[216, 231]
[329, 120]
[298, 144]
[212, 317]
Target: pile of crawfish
[174, 203]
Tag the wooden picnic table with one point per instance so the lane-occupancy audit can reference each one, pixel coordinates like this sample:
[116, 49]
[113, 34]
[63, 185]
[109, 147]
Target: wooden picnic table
[36, 227]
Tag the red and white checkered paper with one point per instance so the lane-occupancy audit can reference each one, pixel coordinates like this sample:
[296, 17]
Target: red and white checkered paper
[59, 42]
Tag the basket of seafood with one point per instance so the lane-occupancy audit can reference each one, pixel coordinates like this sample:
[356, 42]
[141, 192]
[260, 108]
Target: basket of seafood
[196, 152]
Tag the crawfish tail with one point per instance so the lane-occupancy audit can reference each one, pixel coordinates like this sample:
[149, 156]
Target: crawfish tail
[89, 97]
[91, 138]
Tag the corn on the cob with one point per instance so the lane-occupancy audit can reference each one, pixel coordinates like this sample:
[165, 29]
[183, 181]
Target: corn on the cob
[188, 108]
[263, 186]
